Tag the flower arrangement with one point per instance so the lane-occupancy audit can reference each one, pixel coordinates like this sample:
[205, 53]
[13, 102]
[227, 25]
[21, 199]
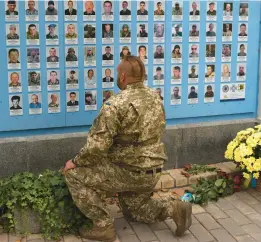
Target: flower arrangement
[245, 151]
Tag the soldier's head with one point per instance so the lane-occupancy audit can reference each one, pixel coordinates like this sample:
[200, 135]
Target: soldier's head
[130, 70]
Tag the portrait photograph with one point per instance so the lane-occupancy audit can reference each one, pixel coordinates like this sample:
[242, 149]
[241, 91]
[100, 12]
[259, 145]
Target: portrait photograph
[158, 54]
[243, 11]
[242, 52]
[53, 80]
[11, 11]
[193, 73]
[106, 94]
[194, 10]
[160, 92]
[227, 32]
[210, 53]
[90, 100]
[142, 53]
[107, 10]
[194, 32]
[51, 34]
[176, 74]
[142, 10]
[193, 53]
[177, 10]
[228, 11]
[70, 10]
[177, 32]
[108, 55]
[54, 102]
[71, 56]
[175, 95]
[107, 77]
[72, 79]
[33, 58]
[211, 10]
[89, 11]
[125, 33]
[142, 32]
[12, 34]
[158, 75]
[211, 32]
[159, 30]
[35, 103]
[241, 71]
[226, 53]
[90, 33]
[14, 81]
[209, 73]
[52, 57]
[90, 80]
[125, 51]
[31, 10]
[242, 31]
[89, 55]
[125, 10]
[176, 54]
[71, 33]
[159, 10]
[209, 93]
[16, 104]
[72, 101]
[107, 33]
[34, 80]
[226, 72]
[13, 58]
[32, 34]
[51, 10]
[192, 94]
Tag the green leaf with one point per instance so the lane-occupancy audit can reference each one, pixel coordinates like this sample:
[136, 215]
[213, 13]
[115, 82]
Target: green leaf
[218, 182]
[224, 184]
[212, 194]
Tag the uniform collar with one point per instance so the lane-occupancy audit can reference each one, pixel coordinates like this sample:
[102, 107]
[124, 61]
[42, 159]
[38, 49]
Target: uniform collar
[135, 85]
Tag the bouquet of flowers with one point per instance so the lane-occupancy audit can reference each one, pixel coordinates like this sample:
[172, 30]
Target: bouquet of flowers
[245, 151]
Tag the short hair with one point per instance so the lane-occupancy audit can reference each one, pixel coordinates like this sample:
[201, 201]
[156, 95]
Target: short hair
[70, 1]
[209, 87]
[107, 2]
[192, 88]
[88, 94]
[90, 70]
[32, 73]
[53, 72]
[176, 88]
[142, 2]
[107, 47]
[72, 93]
[107, 69]
[53, 94]
[159, 46]
[242, 25]
[14, 73]
[158, 68]
[72, 72]
[176, 68]
[52, 48]
[31, 25]
[242, 45]
[15, 98]
[13, 50]
[12, 26]
[125, 2]
[142, 46]
[158, 3]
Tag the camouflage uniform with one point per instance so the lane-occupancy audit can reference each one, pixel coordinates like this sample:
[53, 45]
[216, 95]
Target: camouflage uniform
[123, 143]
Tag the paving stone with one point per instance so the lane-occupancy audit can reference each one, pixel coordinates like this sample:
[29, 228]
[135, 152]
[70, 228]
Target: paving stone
[248, 199]
[180, 180]
[241, 206]
[207, 221]
[115, 211]
[35, 237]
[197, 209]
[14, 238]
[222, 235]
[158, 186]
[251, 228]
[224, 204]
[215, 211]
[167, 181]
[144, 232]
[156, 195]
[253, 192]
[201, 233]
[194, 220]
[256, 218]
[257, 236]
[238, 217]
[179, 191]
[187, 237]
[245, 238]
[257, 207]
[166, 236]
[171, 224]
[123, 228]
[231, 226]
[129, 238]
[158, 226]
[4, 237]
[258, 198]
[72, 238]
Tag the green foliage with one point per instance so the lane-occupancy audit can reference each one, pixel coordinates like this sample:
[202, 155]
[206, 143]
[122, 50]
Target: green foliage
[48, 195]
[195, 169]
[211, 190]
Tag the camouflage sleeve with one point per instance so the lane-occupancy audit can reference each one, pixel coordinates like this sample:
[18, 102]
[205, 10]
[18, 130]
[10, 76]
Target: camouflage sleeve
[100, 137]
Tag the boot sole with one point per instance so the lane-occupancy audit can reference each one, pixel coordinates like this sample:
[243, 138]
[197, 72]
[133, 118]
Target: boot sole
[187, 211]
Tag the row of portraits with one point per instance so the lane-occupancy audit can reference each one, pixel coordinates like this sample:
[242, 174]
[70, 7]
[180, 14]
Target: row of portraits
[108, 55]
[108, 33]
[89, 12]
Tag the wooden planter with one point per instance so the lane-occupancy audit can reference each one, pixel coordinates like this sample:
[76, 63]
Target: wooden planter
[258, 184]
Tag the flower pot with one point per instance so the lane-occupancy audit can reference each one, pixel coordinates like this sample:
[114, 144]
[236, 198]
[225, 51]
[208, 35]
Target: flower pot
[26, 221]
[258, 184]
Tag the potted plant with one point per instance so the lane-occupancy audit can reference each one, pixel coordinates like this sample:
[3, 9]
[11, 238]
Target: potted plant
[245, 151]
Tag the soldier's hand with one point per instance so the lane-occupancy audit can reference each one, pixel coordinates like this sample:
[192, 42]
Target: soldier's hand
[69, 165]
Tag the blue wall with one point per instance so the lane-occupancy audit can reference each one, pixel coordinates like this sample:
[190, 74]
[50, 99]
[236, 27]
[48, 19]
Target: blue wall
[62, 122]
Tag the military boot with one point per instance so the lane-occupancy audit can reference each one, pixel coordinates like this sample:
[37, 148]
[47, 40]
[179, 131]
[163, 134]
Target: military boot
[181, 214]
[106, 234]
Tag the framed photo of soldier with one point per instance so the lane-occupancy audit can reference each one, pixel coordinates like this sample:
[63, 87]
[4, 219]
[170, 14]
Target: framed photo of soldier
[193, 53]
[211, 10]
[242, 52]
[89, 11]
[90, 100]
[53, 80]
[192, 94]
[241, 71]
[35, 103]
[194, 10]
[33, 58]
[159, 10]
[209, 93]
[125, 33]
[142, 53]
[34, 81]
[90, 33]
[242, 31]
[226, 52]
[89, 55]
[71, 56]
[54, 102]
[51, 10]
[14, 81]
[72, 101]
[210, 53]
[211, 32]
[107, 33]
[159, 30]
[226, 72]
[243, 11]
[227, 32]
[52, 34]
[177, 10]
[158, 54]
[31, 10]
[158, 75]
[176, 74]
[193, 73]
[72, 79]
[194, 32]
[209, 73]
[107, 77]
[142, 10]
[70, 10]
[16, 104]
[13, 57]
[228, 11]
[52, 57]
[32, 34]
[160, 92]
[175, 95]
[71, 33]
[12, 34]
[90, 80]
[176, 54]
[106, 94]
[125, 10]
[177, 32]
[107, 10]
[11, 11]
[125, 50]
[142, 33]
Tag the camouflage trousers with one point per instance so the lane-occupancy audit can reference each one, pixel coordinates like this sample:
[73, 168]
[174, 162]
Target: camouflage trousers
[88, 184]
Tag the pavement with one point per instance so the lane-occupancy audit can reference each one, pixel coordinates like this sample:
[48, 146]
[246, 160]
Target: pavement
[235, 218]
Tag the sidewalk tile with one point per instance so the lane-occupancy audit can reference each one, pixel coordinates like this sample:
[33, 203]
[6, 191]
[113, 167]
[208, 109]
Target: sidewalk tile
[241, 206]
[187, 237]
[230, 225]
[222, 235]
[207, 221]
[129, 238]
[4, 237]
[215, 211]
[166, 236]
[158, 226]
[223, 204]
[144, 232]
[257, 236]
[251, 228]
[256, 218]
[197, 209]
[238, 217]
[171, 224]
[245, 238]
[248, 199]
[123, 228]
[71, 238]
[201, 233]
[257, 207]
[14, 238]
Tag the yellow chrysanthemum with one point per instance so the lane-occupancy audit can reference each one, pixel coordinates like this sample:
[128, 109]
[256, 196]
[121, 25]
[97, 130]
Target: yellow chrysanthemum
[256, 175]
[258, 127]
[257, 166]
[246, 175]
